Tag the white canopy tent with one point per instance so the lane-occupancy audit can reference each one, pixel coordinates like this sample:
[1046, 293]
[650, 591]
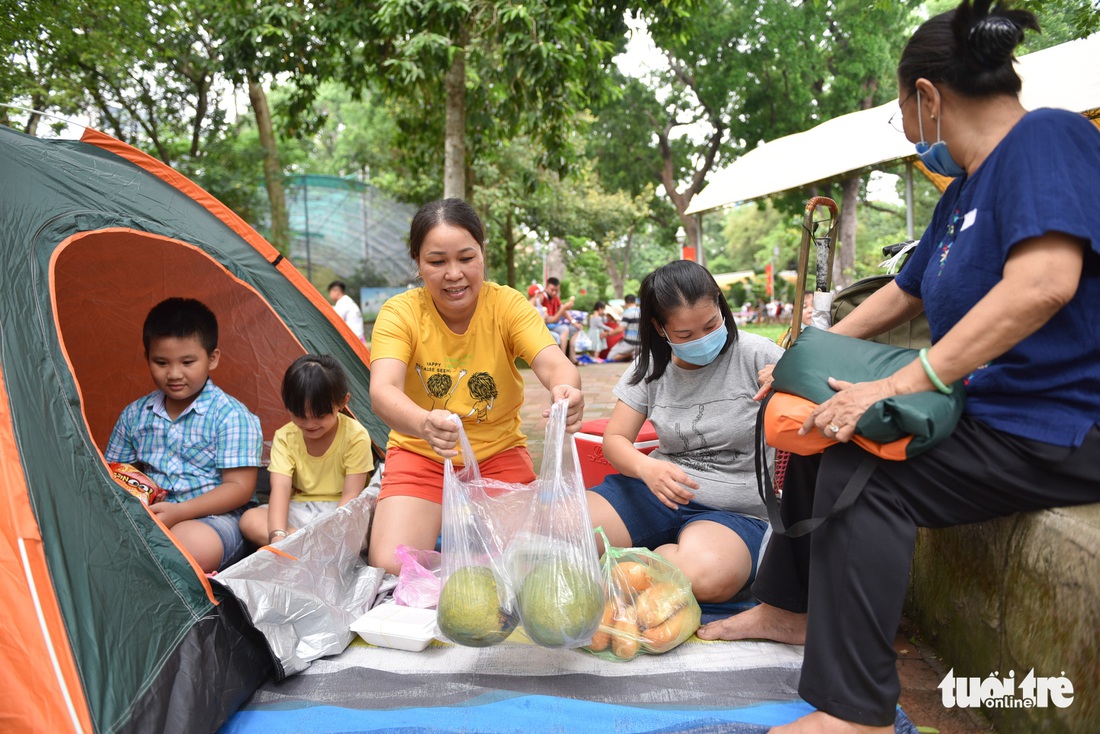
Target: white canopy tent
[1065, 76]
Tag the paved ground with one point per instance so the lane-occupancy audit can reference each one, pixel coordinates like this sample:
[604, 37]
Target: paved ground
[918, 667]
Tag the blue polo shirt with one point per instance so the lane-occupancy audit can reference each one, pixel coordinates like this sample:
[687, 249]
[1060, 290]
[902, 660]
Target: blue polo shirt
[1044, 176]
[186, 455]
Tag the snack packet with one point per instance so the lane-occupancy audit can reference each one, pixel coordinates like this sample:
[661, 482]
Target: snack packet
[134, 481]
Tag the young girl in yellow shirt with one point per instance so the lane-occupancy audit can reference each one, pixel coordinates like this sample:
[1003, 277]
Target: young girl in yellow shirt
[319, 461]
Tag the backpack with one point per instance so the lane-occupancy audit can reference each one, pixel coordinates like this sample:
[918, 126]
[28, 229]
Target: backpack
[914, 334]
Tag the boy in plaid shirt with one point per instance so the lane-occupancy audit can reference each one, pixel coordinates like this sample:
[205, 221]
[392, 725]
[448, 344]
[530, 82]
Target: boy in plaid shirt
[192, 439]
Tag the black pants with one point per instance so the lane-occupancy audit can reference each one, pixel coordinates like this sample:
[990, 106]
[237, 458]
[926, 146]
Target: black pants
[850, 574]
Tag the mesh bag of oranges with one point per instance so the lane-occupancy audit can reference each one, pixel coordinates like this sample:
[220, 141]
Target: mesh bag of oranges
[650, 608]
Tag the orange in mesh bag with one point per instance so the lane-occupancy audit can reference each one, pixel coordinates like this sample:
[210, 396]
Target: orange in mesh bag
[650, 608]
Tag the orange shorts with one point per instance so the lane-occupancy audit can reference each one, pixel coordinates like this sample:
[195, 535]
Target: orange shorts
[408, 474]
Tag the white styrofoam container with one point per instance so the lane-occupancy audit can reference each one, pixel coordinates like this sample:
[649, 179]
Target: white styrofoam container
[392, 625]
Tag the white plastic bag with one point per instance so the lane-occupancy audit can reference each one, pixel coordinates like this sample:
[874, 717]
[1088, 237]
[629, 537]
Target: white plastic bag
[583, 342]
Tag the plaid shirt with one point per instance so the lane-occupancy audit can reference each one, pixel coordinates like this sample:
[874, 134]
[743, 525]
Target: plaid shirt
[186, 456]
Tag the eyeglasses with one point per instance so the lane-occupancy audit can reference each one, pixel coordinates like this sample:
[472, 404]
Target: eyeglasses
[897, 119]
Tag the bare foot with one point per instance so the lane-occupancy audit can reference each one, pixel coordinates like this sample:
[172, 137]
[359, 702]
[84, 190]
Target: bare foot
[762, 622]
[820, 722]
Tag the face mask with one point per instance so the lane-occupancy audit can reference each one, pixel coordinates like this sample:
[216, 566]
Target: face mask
[702, 351]
[935, 156]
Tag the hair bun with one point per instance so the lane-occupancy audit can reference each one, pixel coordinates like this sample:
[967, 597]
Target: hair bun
[993, 39]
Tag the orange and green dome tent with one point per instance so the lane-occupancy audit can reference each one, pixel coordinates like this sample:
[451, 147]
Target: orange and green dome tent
[105, 624]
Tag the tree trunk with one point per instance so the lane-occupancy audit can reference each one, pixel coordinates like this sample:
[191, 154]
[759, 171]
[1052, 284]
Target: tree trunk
[31, 128]
[454, 146]
[273, 172]
[844, 261]
[693, 236]
[510, 248]
[32, 122]
[555, 264]
[617, 271]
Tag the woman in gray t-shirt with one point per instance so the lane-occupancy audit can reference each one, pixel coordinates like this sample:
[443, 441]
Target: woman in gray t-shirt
[693, 500]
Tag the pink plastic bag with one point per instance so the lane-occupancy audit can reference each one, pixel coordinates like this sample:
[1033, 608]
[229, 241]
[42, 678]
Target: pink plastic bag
[418, 581]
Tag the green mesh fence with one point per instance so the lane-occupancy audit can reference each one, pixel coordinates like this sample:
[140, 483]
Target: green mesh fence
[338, 224]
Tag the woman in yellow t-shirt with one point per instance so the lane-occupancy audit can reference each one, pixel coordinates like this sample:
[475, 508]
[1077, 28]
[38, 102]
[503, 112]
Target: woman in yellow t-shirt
[446, 348]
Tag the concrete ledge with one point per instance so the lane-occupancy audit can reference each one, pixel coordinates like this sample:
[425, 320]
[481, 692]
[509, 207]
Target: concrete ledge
[1017, 594]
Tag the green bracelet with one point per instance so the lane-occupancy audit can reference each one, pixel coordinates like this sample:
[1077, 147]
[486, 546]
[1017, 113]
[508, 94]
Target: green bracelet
[945, 389]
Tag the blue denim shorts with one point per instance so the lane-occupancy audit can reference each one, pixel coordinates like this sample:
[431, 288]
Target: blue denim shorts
[228, 528]
[651, 524]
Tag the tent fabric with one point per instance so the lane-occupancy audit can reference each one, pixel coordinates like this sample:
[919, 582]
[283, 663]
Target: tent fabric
[34, 635]
[1065, 76]
[107, 625]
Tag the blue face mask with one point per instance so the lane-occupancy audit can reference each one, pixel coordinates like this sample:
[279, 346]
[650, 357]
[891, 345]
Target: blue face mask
[935, 156]
[702, 351]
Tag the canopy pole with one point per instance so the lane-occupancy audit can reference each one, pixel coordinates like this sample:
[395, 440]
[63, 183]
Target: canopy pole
[699, 240]
[909, 199]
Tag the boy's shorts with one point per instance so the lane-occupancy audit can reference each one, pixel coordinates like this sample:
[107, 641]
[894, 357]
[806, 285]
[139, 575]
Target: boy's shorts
[408, 474]
[228, 528]
[651, 524]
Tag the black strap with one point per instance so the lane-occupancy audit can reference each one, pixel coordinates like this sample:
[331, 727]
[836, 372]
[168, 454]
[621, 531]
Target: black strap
[764, 485]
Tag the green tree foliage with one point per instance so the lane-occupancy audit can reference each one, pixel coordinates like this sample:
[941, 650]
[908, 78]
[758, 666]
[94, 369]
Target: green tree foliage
[151, 74]
[475, 73]
[143, 72]
[753, 233]
[742, 73]
[620, 142]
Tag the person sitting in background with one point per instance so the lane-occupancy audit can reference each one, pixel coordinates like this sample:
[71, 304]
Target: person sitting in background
[534, 294]
[345, 307]
[558, 317]
[597, 327]
[626, 348]
[320, 460]
[196, 442]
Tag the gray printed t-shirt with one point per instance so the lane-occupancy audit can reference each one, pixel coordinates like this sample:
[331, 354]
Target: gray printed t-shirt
[706, 421]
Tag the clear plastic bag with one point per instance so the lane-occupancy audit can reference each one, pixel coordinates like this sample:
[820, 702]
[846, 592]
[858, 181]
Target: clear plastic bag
[418, 581]
[477, 601]
[553, 559]
[650, 608]
[515, 552]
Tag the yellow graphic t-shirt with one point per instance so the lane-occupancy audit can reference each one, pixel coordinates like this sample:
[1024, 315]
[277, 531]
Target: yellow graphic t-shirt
[321, 478]
[473, 375]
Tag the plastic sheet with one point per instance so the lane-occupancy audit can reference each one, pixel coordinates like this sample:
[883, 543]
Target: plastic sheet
[304, 592]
